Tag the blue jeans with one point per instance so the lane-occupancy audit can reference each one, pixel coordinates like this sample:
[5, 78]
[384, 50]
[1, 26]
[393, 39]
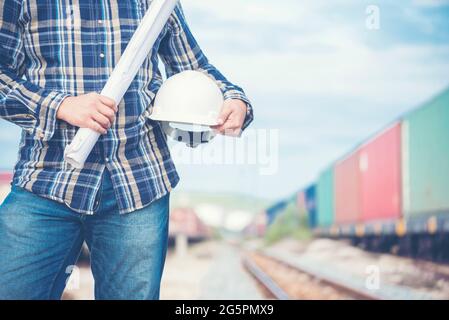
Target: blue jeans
[40, 241]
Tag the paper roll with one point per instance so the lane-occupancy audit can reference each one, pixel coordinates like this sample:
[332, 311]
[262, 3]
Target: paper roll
[124, 72]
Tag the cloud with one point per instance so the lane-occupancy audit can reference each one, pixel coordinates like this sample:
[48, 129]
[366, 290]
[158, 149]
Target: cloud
[333, 59]
[315, 72]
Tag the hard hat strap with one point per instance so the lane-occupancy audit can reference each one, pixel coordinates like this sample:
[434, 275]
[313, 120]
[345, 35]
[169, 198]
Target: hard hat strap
[191, 139]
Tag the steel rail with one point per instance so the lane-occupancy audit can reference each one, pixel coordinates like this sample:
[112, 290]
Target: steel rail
[267, 281]
[356, 293]
[262, 277]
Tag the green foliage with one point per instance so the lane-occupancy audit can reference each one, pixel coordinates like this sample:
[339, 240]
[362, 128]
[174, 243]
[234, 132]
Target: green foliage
[288, 224]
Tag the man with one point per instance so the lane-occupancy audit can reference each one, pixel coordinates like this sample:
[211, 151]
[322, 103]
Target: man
[54, 58]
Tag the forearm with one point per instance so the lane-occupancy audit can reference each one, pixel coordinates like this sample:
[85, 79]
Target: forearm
[22, 102]
[29, 106]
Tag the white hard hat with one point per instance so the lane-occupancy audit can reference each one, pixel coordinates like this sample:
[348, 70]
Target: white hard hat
[191, 98]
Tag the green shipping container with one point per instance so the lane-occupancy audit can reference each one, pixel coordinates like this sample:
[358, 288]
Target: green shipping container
[325, 198]
[425, 158]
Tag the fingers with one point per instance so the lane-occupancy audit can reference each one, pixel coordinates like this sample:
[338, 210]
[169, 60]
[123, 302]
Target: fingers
[89, 111]
[101, 120]
[231, 118]
[96, 127]
[108, 102]
[229, 128]
[229, 122]
[96, 98]
[106, 112]
[224, 115]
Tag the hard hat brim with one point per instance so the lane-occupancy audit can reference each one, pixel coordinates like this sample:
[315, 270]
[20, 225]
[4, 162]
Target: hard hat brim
[186, 119]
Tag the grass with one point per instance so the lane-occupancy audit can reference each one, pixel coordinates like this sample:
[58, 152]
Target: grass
[288, 224]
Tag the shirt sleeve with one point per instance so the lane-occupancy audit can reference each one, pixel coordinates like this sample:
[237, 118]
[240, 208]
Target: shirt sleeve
[21, 102]
[179, 52]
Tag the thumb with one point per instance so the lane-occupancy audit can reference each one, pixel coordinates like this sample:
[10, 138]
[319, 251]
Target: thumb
[224, 115]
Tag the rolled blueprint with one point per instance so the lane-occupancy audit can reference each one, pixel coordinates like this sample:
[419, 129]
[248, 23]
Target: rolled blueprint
[123, 74]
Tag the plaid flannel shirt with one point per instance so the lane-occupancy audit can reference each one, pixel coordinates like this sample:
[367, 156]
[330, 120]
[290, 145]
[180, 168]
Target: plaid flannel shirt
[53, 49]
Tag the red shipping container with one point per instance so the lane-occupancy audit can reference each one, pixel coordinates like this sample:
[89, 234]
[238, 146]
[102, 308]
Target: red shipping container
[185, 221]
[5, 178]
[301, 203]
[347, 189]
[380, 168]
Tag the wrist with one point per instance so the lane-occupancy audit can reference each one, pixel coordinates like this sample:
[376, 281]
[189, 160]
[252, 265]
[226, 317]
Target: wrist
[243, 106]
[60, 112]
[236, 102]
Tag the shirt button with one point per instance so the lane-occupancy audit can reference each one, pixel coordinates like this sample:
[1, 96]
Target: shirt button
[102, 55]
[41, 135]
[106, 159]
[100, 21]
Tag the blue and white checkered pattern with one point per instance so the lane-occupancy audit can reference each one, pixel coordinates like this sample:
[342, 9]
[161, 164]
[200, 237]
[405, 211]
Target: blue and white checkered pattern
[51, 49]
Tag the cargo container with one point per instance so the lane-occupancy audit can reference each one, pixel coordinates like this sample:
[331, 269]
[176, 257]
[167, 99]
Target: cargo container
[325, 198]
[425, 165]
[5, 184]
[301, 203]
[185, 221]
[257, 227]
[310, 194]
[380, 170]
[275, 210]
[347, 189]
[260, 223]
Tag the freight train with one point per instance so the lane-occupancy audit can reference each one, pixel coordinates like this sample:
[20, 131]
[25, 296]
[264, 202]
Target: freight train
[5, 184]
[390, 193]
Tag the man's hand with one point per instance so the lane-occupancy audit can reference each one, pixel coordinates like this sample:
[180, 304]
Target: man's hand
[231, 119]
[90, 110]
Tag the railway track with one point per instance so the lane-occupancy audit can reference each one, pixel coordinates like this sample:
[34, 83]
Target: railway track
[285, 281]
[272, 288]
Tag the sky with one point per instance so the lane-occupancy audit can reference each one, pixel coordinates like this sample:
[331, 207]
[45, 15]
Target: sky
[322, 77]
